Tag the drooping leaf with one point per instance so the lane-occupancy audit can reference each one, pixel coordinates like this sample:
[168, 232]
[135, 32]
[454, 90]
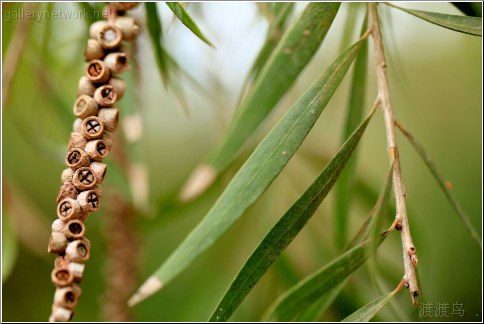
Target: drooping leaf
[286, 229]
[292, 54]
[443, 184]
[309, 290]
[154, 26]
[463, 24]
[367, 312]
[344, 187]
[315, 312]
[185, 18]
[469, 8]
[261, 168]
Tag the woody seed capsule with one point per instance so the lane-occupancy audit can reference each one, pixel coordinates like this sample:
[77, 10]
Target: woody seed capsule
[105, 96]
[84, 179]
[89, 200]
[77, 270]
[74, 229]
[67, 190]
[60, 262]
[109, 36]
[86, 87]
[119, 85]
[77, 158]
[93, 51]
[57, 243]
[66, 176]
[97, 71]
[68, 209]
[62, 277]
[128, 27]
[99, 170]
[97, 149]
[92, 127]
[96, 27]
[58, 225]
[60, 314]
[85, 106]
[77, 126]
[109, 116]
[77, 139]
[117, 62]
[78, 251]
[65, 297]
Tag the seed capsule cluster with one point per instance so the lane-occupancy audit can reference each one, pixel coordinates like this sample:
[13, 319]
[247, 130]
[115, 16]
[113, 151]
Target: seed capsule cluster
[89, 144]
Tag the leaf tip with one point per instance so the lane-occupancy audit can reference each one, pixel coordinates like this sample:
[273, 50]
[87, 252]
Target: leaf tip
[200, 179]
[148, 288]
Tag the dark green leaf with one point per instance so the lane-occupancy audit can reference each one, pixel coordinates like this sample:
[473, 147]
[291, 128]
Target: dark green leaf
[262, 167]
[185, 18]
[444, 185]
[286, 229]
[463, 24]
[473, 9]
[291, 55]
[309, 290]
[367, 312]
[154, 26]
[344, 187]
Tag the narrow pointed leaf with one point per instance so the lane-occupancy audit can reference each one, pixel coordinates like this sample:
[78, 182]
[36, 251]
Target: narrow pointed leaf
[309, 290]
[153, 24]
[314, 312]
[261, 168]
[463, 24]
[286, 229]
[367, 312]
[185, 18]
[444, 185]
[344, 187]
[292, 54]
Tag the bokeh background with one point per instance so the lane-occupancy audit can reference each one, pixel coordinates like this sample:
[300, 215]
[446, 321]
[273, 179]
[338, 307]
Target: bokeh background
[436, 84]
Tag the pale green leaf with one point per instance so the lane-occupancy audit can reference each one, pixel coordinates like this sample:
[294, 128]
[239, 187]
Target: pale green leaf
[286, 229]
[367, 312]
[154, 26]
[185, 18]
[463, 24]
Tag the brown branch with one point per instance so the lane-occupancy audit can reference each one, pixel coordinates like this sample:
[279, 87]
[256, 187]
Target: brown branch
[409, 252]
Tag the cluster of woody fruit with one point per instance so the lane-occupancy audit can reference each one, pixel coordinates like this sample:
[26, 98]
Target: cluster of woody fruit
[89, 144]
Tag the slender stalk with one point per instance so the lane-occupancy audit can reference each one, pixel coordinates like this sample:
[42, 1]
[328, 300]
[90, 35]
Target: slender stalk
[409, 252]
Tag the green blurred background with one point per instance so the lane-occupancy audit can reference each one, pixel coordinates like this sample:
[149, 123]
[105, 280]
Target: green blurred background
[436, 84]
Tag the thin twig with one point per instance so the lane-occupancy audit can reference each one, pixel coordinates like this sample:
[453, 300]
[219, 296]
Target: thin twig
[14, 52]
[409, 252]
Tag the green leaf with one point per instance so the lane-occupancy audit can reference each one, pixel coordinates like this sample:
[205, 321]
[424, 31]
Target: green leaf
[154, 26]
[463, 24]
[9, 246]
[261, 168]
[344, 187]
[315, 312]
[185, 18]
[309, 290]
[292, 54]
[473, 9]
[92, 10]
[443, 184]
[286, 229]
[367, 312]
